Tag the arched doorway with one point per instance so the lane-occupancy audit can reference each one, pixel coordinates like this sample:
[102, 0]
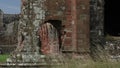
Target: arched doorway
[49, 33]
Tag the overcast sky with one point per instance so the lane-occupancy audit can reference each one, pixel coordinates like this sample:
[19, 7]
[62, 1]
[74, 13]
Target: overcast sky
[10, 6]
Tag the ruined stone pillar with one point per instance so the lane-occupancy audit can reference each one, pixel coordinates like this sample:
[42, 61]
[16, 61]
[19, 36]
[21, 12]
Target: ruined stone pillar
[96, 27]
[74, 21]
[32, 15]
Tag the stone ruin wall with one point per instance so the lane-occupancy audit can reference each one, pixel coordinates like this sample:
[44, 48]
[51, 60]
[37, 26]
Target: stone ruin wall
[34, 13]
[8, 31]
[75, 22]
[76, 37]
[89, 26]
[79, 24]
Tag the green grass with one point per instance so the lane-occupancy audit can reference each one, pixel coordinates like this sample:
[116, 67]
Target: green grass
[72, 63]
[3, 57]
[104, 65]
[90, 64]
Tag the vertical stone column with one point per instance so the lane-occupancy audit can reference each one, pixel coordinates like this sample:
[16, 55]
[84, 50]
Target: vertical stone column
[83, 15]
[70, 42]
[96, 27]
[32, 15]
[74, 21]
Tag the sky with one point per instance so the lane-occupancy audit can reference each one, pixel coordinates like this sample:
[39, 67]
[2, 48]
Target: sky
[10, 6]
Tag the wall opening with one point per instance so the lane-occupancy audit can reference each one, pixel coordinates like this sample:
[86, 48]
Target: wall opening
[58, 25]
[112, 23]
[50, 37]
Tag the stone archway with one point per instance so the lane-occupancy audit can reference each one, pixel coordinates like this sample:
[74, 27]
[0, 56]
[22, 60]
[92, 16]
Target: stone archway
[49, 39]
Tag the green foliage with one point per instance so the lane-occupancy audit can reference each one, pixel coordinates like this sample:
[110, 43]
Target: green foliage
[3, 57]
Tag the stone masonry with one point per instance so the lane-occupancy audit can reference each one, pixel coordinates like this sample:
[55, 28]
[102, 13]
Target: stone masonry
[74, 15]
[73, 19]
[8, 31]
[97, 40]
[32, 15]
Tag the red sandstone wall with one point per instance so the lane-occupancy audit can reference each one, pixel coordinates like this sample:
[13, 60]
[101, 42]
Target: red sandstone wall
[74, 14]
[83, 25]
[77, 35]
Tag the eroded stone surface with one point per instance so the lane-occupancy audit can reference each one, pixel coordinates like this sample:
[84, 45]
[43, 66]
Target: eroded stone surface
[96, 29]
[32, 15]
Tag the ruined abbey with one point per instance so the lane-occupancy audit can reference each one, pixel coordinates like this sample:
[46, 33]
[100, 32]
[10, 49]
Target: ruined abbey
[59, 26]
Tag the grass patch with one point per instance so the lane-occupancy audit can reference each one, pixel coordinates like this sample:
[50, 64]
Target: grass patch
[3, 57]
[104, 65]
[89, 64]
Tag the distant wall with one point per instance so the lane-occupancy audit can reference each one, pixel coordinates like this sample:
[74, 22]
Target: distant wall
[1, 19]
[8, 31]
[6, 49]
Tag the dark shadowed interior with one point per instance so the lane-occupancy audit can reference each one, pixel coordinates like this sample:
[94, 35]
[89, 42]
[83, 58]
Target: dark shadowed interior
[112, 21]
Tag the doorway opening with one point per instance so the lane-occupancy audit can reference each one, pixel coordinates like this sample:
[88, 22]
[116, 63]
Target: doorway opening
[50, 36]
[58, 25]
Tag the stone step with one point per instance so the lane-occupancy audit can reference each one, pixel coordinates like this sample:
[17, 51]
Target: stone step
[25, 65]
